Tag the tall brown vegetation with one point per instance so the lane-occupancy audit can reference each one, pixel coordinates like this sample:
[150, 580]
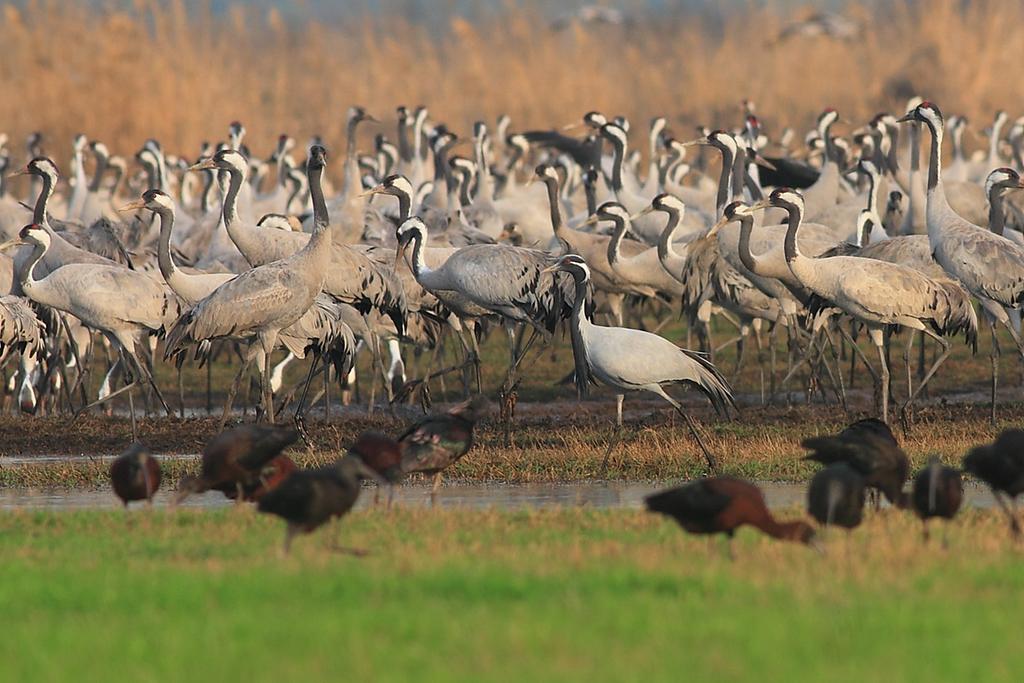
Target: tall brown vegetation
[178, 73]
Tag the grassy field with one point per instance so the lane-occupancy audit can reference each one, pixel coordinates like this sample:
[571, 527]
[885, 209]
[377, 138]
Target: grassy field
[569, 595]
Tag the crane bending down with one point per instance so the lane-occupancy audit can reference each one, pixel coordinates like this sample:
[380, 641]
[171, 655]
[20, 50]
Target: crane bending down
[261, 302]
[634, 360]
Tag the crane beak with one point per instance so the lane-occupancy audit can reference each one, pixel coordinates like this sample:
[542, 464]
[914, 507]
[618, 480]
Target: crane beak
[764, 163]
[133, 206]
[399, 254]
[722, 222]
[590, 221]
[909, 116]
[572, 126]
[372, 191]
[204, 165]
[14, 174]
[641, 214]
[550, 269]
[760, 204]
[10, 244]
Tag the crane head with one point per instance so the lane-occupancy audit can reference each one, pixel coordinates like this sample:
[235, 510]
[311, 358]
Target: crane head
[574, 264]
[40, 166]
[1002, 179]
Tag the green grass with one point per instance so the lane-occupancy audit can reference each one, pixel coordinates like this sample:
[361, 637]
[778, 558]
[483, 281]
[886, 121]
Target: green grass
[565, 595]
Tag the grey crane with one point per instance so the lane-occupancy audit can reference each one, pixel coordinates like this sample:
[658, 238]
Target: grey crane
[321, 328]
[878, 294]
[125, 305]
[497, 279]
[351, 277]
[635, 360]
[990, 266]
[261, 302]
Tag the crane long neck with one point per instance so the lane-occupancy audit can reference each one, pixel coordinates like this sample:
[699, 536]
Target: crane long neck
[915, 147]
[235, 180]
[404, 149]
[167, 267]
[746, 257]
[993, 143]
[958, 143]
[554, 207]
[485, 183]
[873, 189]
[618, 159]
[404, 204]
[996, 214]
[724, 180]
[792, 250]
[45, 192]
[665, 248]
[576, 333]
[935, 158]
[101, 169]
[25, 276]
[616, 241]
[321, 219]
[351, 183]
[419, 262]
[206, 199]
[739, 174]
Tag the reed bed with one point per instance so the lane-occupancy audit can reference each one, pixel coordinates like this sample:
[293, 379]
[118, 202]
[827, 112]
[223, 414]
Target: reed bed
[177, 72]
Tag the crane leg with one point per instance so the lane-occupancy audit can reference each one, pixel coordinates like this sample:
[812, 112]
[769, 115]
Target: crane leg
[995, 368]
[946, 348]
[876, 337]
[131, 411]
[712, 462]
[234, 390]
[268, 393]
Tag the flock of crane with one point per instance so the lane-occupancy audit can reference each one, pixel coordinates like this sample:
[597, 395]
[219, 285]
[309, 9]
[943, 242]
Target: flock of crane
[535, 231]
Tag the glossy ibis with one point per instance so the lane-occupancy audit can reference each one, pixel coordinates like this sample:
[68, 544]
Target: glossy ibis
[938, 492]
[719, 505]
[869, 447]
[1001, 466]
[383, 455]
[135, 474]
[436, 442]
[836, 496]
[270, 477]
[235, 459]
[310, 498]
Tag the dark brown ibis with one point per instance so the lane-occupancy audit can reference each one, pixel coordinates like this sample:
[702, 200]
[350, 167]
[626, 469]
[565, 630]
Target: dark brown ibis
[271, 476]
[1001, 466]
[438, 441]
[234, 460]
[938, 492]
[835, 496]
[720, 505]
[869, 447]
[383, 455]
[135, 474]
[309, 498]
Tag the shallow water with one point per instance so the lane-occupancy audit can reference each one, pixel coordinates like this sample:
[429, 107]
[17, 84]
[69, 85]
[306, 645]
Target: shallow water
[612, 494]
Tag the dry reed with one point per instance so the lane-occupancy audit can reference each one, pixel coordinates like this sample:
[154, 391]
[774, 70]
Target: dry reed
[171, 71]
